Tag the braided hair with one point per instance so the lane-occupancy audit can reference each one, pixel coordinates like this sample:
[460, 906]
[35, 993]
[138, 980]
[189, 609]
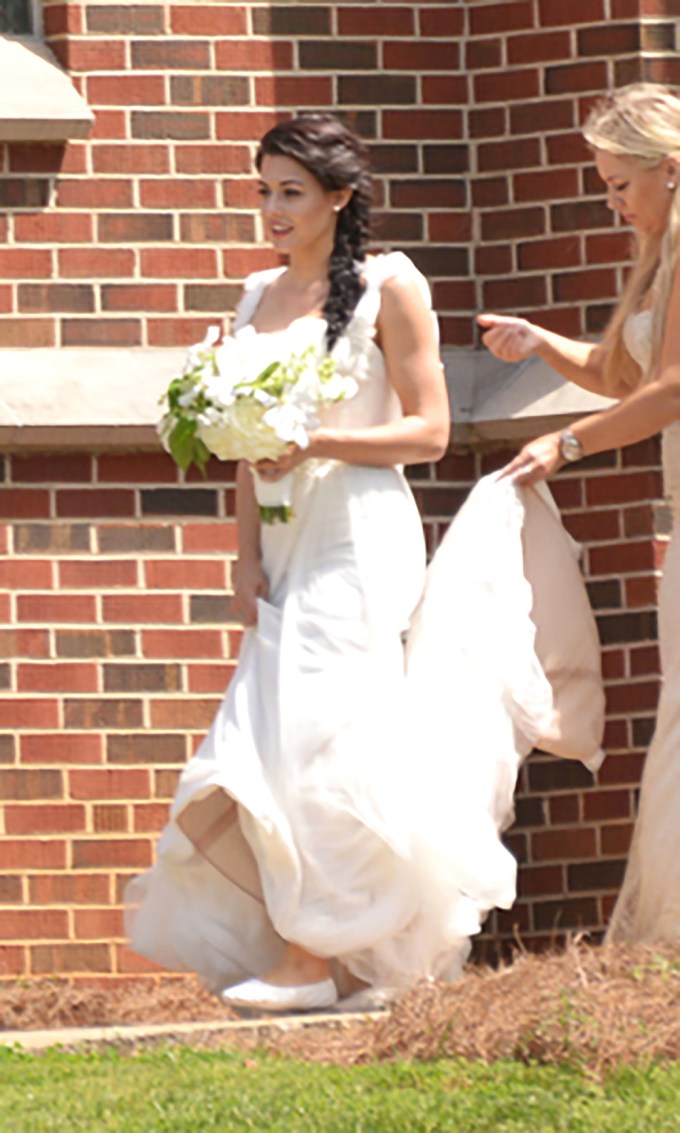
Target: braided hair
[335, 156]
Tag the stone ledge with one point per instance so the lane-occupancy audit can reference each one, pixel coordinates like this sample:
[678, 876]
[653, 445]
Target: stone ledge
[38, 102]
[100, 398]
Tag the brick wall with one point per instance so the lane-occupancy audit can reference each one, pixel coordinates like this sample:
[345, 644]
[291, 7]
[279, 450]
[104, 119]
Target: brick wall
[115, 636]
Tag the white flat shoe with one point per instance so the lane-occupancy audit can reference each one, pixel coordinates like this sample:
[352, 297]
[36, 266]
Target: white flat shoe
[273, 997]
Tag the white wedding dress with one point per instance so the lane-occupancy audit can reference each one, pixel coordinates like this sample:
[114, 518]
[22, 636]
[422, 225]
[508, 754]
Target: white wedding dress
[648, 907]
[339, 802]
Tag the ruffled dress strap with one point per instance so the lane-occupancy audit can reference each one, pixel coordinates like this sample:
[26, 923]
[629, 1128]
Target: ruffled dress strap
[253, 288]
[376, 271]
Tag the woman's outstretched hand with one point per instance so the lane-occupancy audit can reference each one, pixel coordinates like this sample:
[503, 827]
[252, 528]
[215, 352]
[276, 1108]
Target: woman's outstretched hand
[509, 338]
[536, 461]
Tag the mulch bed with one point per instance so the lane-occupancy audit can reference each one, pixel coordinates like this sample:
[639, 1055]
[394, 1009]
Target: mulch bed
[594, 1007]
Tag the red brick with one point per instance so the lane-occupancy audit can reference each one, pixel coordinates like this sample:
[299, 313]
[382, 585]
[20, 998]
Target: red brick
[623, 487]
[554, 13]
[421, 55]
[109, 783]
[644, 661]
[443, 89]
[26, 574]
[135, 157]
[150, 818]
[183, 713]
[24, 643]
[200, 537]
[13, 961]
[32, 853]
[102, 193]
[217, 158]
[34, 924]
[564, 845]
[57, 677]
[53, 228]
[176, 331]
[640, 592]
[97, 574]
[130, 962]
[616, 839]
[509, 16]
[594, 283]
[90, 55]
[294, 91]
[176, 193]
[69, 889]
[125, 90]
[563, 251]
[613, 664]
[44, 819]
[244, 125]
[51, 467]
[546, 185]
[82, 263]
[253, 55]
[49, 958]
[190, 574]
[136, 468]
[239, 262]
[366, 21]
[599, 805]
[29, 713]
[210, 678]
[56, 608]
[98, 924]
[24, 332]
[621, 558]
[107, 853]
[59, 19]
[209, 21]
[507, 86]
[422, 123]
[537, 47]
[632, 697]
[95, 503]
[25, 263]
[142, 608]
[64, 748]
[195, 263]
[446, 20]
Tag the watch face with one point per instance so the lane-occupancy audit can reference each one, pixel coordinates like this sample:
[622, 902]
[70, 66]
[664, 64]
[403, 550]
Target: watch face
[570, 447]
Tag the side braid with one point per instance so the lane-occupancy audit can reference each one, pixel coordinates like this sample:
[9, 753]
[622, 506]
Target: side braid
[344, 273]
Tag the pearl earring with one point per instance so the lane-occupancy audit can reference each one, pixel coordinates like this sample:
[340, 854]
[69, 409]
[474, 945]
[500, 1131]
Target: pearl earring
[671, 186]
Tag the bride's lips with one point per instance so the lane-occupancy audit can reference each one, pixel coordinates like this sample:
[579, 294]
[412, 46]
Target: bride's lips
[280, 230]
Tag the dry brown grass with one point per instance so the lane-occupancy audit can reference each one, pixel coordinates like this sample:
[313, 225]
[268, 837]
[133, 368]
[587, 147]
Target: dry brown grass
[591, 1006]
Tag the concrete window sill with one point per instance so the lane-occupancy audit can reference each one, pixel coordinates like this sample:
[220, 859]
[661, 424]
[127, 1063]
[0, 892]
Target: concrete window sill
[38, 102]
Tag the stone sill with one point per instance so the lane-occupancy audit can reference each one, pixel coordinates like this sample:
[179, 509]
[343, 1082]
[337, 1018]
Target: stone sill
[98, 398]
[38, 102]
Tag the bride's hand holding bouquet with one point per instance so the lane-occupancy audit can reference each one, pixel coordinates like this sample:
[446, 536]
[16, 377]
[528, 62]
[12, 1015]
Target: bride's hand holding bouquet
[235, 402]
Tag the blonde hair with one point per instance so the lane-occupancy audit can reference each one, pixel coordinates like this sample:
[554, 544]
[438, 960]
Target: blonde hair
[641, 122]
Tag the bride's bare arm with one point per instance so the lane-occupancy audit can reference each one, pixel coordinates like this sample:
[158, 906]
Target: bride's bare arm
[513, 340]
[406, 336]
[250, 582]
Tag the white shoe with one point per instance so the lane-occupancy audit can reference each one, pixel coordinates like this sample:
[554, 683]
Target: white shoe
[274, 997]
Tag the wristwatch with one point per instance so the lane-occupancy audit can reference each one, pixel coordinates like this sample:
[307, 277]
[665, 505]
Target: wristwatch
[571, 448]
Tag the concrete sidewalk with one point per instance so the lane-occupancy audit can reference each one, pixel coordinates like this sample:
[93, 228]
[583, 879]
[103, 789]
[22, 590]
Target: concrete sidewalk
[73, 1038]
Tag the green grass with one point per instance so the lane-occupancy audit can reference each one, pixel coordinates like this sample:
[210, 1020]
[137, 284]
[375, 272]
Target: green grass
[179, 1090]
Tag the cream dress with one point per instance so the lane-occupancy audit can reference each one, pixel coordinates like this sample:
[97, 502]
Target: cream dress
[648, 907]
[339, 802]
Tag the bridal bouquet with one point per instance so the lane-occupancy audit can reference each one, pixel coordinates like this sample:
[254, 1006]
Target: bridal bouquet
[227, 403]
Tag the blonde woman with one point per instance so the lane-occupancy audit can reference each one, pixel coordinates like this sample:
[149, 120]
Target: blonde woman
[635, 137]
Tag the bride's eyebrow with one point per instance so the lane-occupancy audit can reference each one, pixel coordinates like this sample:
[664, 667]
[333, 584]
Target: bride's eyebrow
[288, 181]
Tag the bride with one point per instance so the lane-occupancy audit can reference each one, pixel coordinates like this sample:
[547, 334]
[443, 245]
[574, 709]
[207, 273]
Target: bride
[288, 838]
[327, 836]
[635, 138]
